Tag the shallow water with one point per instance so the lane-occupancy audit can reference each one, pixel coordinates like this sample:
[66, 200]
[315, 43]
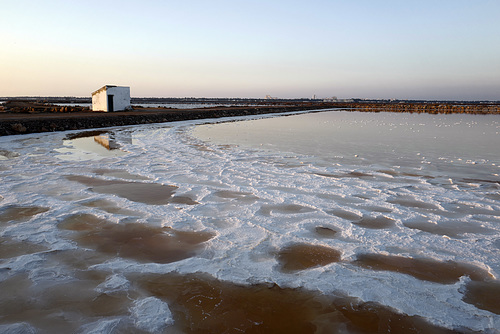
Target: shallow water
[324, 222]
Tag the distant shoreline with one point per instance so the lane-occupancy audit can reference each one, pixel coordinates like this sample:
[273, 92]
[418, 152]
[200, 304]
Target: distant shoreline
[27, 121]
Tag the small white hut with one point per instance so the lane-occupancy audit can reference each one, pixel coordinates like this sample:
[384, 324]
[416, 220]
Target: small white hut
[111, 98]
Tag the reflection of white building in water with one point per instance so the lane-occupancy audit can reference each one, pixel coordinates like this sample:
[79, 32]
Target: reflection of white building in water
[111, 98]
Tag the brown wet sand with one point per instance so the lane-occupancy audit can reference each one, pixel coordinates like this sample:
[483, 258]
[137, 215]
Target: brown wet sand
[141, 242]
[11, 248]
[448, 272]
[304, 256]
[143, 192]
[200, 303]
[379, 222]
[484, 295]
[110, 207]
[19, 213]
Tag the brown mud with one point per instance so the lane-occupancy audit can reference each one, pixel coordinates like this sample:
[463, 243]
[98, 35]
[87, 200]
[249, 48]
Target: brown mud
[304, 256]
[448, 272]
[19, 213]
[133, 240]
[199, 304]
[202, 304]
[484, 295]
[148, 193]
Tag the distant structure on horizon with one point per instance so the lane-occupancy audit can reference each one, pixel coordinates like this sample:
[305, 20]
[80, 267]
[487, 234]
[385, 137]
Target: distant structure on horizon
[111, 98]
[331, 99]
[269, 97]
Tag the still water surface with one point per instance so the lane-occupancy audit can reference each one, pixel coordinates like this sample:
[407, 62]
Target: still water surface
[330, 222]
[450, 143]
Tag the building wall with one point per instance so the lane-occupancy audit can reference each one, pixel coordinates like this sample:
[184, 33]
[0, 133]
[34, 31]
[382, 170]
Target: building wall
[121, 98]
[99, 100]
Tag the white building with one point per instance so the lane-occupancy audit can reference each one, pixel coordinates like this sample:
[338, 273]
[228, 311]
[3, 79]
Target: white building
[111, 98]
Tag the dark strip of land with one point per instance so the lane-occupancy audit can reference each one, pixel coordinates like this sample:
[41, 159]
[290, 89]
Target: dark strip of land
[29, 120]
[24, 123]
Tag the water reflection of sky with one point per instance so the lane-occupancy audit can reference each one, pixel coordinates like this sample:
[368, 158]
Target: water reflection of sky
[86, 148]
[386, 139]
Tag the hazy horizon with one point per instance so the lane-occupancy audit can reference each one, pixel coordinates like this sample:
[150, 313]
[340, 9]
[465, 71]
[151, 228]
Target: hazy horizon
[241, 98]
[445, 50]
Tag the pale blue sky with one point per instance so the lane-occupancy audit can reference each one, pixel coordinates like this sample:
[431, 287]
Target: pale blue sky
[440, 49]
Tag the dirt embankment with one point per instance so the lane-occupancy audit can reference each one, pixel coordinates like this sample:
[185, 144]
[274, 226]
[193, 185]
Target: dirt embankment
[24, 117]
[23, 123]
[429, 108]
[38, 107]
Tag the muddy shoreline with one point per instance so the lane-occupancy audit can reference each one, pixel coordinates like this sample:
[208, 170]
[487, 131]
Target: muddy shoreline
[24, 122]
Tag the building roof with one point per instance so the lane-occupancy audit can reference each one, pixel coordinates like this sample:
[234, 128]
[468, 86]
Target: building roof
[105, 87]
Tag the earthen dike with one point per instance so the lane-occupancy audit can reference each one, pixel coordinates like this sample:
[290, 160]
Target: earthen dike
[31, 117]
